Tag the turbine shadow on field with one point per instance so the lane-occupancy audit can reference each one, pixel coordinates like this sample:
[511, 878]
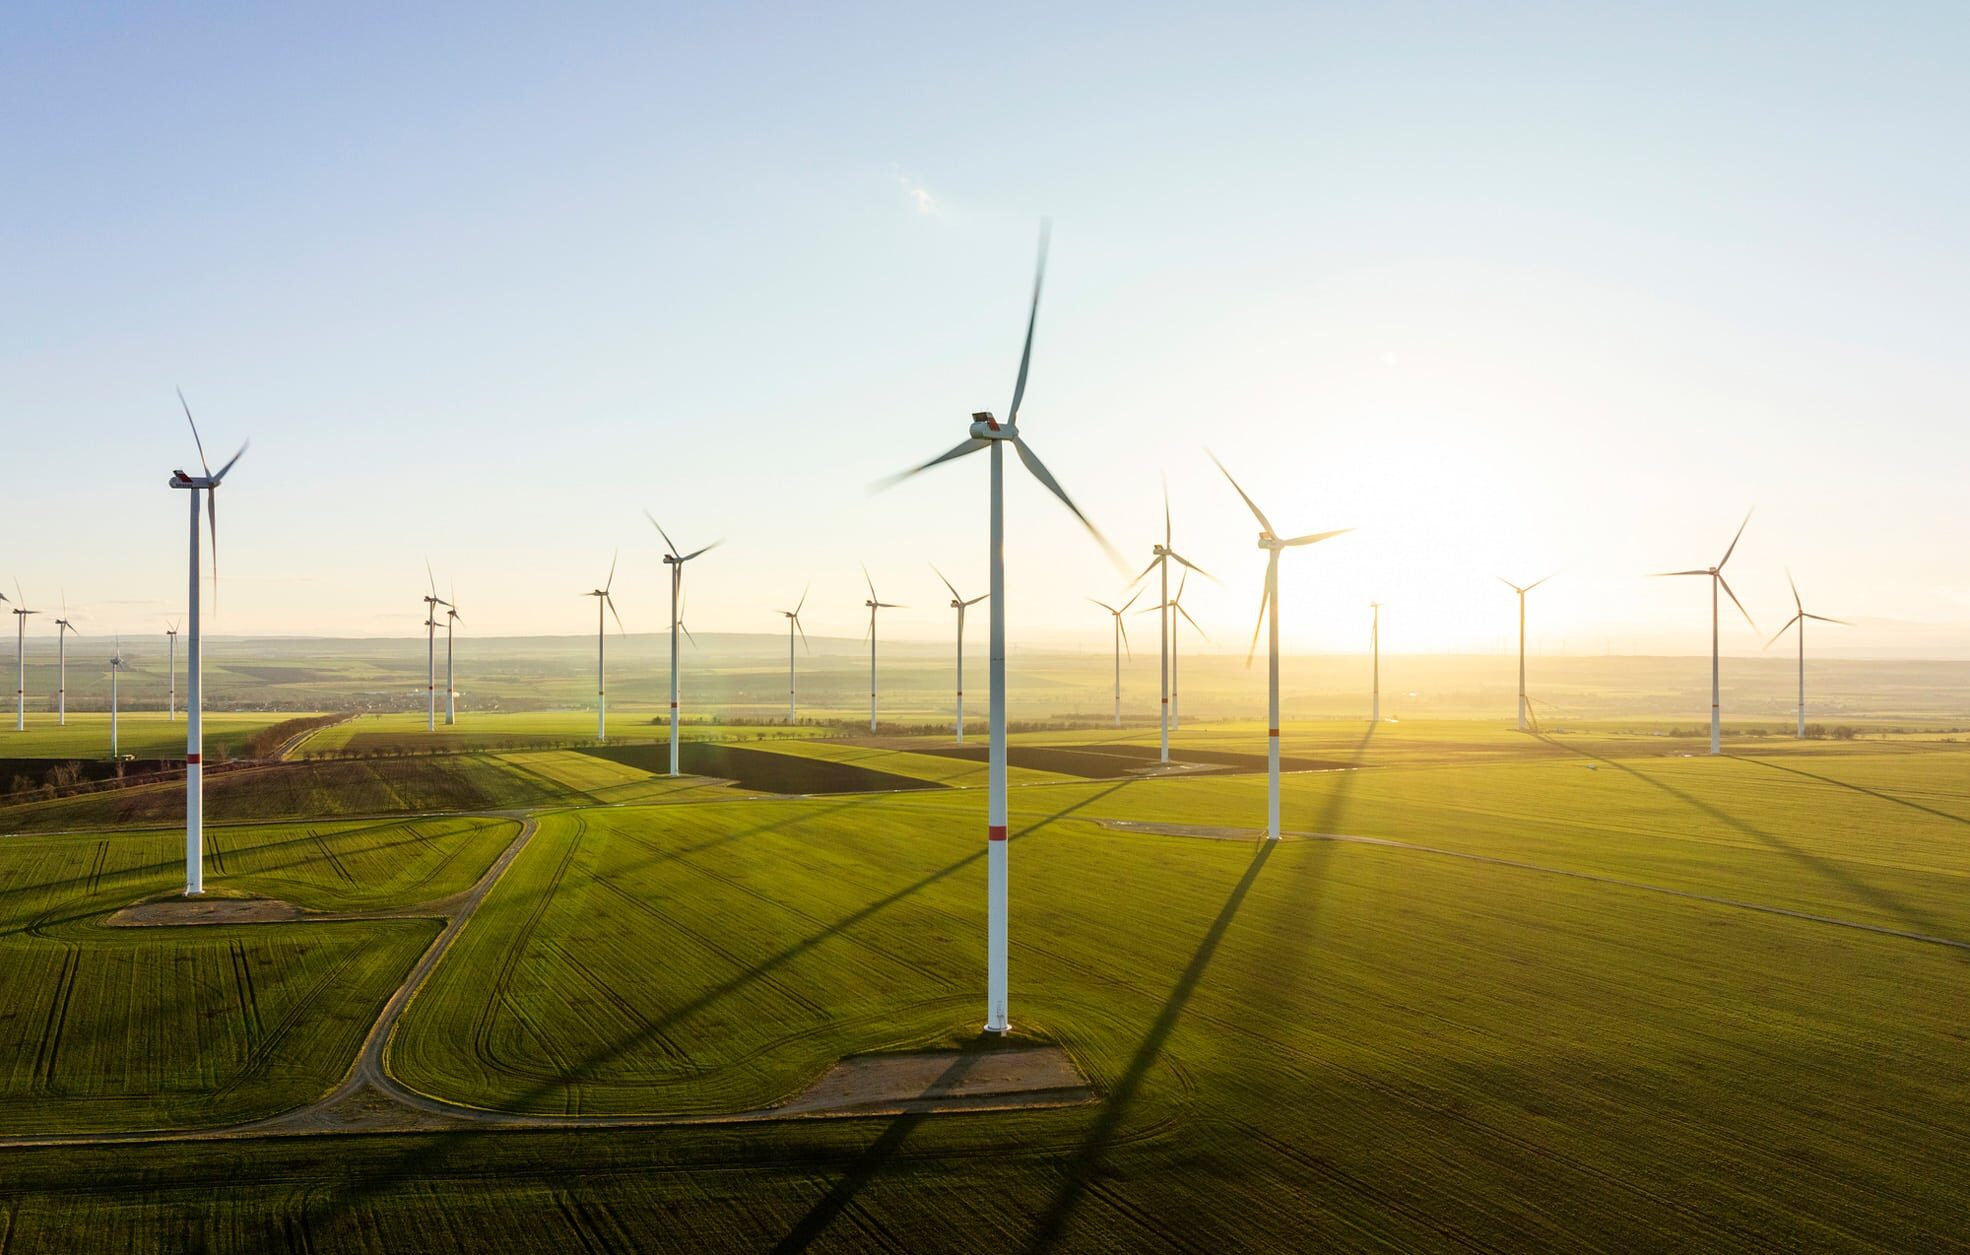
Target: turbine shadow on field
[870, 1163]
[1308, 879]
[1859, 788]
[1087, 1160]
[413, 1161]
[1828, 869]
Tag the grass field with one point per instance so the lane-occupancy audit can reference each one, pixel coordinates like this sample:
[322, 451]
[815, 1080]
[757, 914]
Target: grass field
[137, 1028]
[142, 734]
[1590, 992]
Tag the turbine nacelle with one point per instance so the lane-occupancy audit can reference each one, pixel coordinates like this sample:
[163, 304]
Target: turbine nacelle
[985, 427]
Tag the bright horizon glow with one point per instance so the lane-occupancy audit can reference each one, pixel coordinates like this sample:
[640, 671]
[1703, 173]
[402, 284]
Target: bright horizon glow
[1507, 294]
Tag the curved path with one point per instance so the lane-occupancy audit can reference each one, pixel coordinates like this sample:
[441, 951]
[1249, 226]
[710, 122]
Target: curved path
[370, 1100]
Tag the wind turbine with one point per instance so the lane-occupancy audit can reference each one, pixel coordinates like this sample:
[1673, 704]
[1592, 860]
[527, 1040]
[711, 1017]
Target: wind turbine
[959, 604]
[987, 432]
[62, 628]
[1121, 643]
[1716, 574]
[208, 484]
[675, 561]
[1175, 606]
[431, 603]
[1525, 708]
[20, 657]
[1166, 627]
[1375, 648]
[171, 703]
[1269, 610]
[874, 603]
[602, 599]
[1799, 617]
[115, 670]
[793, 625]
[451, 683]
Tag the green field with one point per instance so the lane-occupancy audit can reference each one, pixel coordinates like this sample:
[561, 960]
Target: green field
[1586, 990]
[141, 734]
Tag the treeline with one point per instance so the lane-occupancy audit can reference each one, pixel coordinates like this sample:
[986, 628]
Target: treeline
[267, 742]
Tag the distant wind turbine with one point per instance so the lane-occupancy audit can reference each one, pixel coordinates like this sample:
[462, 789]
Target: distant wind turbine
[208, 484]
[1269, 611]
[1525, 709]
[62, 628]
[115, 670]
[1166, 622]
[431, 603]
[602, 598]
[451, 678]
[1799, 618]
[959, 604]
[793, 625]
[20, 657]
[675, 561]
[171, 702]
[1121, 643]
[874, 603]
[987, 432]
[1175, 607]
[1716, 574]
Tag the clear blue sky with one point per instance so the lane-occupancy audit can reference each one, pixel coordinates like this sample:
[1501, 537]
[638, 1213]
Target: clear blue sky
[1507, 287]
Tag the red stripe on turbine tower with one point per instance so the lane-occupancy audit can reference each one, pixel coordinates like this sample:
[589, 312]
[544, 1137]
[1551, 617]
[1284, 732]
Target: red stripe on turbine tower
[995, 832]
[191, 758]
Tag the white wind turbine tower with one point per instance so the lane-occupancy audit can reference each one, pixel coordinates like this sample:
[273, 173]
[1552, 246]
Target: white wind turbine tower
[959, 604]
[1175, 607]
[171, 702]
[1799, 617]
[451, 682]
[874, 603]
[1525, 708]
[62, 628]
[1269, 610]
[1121, 643]
[602, 599]
[675, 561]
[1166, 625]
[431, 603]
[1375, 648]
[1716, 574]
[20, 657]
[987, 432]
[208, 484]
[793, 625]
[115, 670]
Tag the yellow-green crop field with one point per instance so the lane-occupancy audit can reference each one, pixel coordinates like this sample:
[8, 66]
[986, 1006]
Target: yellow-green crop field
[1588, 990]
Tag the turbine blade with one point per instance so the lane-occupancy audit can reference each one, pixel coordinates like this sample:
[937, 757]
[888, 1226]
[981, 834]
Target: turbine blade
[798, 605]
[1131, 601]
[1265, 598]
[1032, 317]
[972, 444]
[1314, 537]
[1183, 561]
[1146, 570]
[1104, 605]
[695, 552]
[687, 633]
[1541, 580]
[611, 581]
[947, 583]
[1823, 619]
[1508, 584]
[229, 462]
[432, 578]
[1740, 605]
[1193, 623]
[1796, 603]
[1660, 575]
[803, 634]
[610, 602]
[981, 597]
[1127, 651]
[668, 544]
[1183, 582]
[1734, 540]
[212, 520]
[1782, 631]
[870, 579]
[1257, 513]
[195, 440]
[1041, 473]
[1166, 511]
